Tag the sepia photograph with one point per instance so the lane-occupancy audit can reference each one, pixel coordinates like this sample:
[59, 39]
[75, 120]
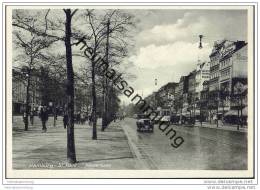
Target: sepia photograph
[129, 91]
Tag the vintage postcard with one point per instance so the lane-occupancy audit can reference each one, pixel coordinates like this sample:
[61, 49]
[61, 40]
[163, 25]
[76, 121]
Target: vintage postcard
[129, 91]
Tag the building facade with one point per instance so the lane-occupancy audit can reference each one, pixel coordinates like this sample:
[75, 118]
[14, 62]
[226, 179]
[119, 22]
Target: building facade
[233, 65]
[215, 89]
[202, 75]
[19, 90]
[214, 65]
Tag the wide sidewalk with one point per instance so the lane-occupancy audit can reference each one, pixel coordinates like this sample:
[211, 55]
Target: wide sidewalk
[221, 126]
[34, 149]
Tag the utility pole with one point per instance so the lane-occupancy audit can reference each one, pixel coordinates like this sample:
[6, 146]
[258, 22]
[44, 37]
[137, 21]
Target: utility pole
[105, 84]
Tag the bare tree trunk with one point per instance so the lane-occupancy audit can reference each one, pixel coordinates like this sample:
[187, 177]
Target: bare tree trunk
[104, 111]
[105, 87]
[200, 115]
[223, 112]
[54, 114]
[217, 115]
[238, 119]
[110, 102]
[94, 102]
[241, 113]
[210, 115]
[181, 113]
[27, 108]
[71, 154]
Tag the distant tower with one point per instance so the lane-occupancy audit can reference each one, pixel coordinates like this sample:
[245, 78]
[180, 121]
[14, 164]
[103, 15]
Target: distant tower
[155, 82]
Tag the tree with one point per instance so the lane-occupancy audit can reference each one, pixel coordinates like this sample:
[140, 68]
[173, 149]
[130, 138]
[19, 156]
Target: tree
[190, 103]
[51, 87]
[224, 95]
[178, 105]
[238, 97]
[51, 31]
[213, 104]
[71, 153]
[31, 46]
[116, 24]
[104, 43]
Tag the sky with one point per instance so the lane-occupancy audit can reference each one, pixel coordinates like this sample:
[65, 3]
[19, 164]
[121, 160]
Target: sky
[166, 43]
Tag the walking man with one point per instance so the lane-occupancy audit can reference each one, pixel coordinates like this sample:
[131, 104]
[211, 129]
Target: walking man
[44, 117]
[65, 119]
[31, 116]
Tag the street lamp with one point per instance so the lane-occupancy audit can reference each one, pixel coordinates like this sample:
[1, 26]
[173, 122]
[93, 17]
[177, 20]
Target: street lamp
[200, 44]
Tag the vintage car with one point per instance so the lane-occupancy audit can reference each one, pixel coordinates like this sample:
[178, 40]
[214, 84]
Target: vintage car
[144, 123]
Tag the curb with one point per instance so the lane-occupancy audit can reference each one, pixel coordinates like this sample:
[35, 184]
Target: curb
[134, 150]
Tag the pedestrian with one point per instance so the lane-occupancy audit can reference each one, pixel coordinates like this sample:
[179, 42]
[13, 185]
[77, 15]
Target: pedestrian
[31, 117]
[82, 118]
[24, 117]
[90, 119]
[78, 118]
[215, 119]
[65, 119]
[56, 113]
[44, 117]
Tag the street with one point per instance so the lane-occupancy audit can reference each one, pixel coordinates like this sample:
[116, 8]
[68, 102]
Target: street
[203, 148]
[130, 91]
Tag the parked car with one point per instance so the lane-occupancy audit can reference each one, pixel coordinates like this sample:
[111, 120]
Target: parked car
[175, 119]
[144, 123]
[166, 119]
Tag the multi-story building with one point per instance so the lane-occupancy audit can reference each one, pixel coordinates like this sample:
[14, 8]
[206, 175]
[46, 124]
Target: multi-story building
[233, 66]
[175, 99]
[189, 101]
[214, 65]
[214, 87]
[192, 83]
[201, 92]
[204, 99]
[164, 97]
[19, 90]
[183, 85]
[183, 98]
[202, 75]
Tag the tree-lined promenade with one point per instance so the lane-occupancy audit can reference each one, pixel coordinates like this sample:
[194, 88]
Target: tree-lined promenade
[47, 40]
